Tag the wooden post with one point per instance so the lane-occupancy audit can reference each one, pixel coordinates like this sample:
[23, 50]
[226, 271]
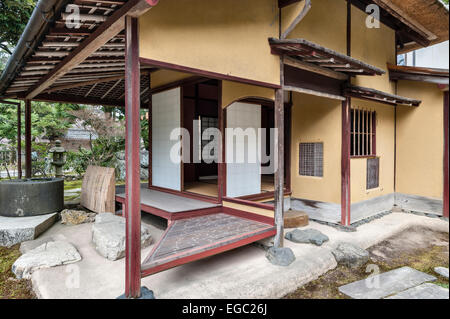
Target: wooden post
[446, 154]
[19, 141]
[132, 139]
[345, 164]
[220, 162]
[28, 138]
[279, 173]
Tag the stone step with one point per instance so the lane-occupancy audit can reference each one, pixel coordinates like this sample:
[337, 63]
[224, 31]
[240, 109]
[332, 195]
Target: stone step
[295, 219]
[386, 284]
[423, 291]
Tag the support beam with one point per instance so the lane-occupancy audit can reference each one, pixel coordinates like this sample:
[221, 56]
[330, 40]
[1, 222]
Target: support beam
[279, 173]
[19, 141]
[132, 139]
[446, 154]
[107, 30]
[28, 139]
[345, 164]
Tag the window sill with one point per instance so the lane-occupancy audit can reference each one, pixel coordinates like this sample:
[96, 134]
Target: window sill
[365, 156]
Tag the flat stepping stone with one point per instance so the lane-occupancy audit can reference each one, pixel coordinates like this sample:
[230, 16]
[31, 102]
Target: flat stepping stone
[51, 254]
[423, 291]
[386, 284]
[108, 236]
[14, 230]
[442, 271]
[280, 256]
[295, 219]
[306, 236]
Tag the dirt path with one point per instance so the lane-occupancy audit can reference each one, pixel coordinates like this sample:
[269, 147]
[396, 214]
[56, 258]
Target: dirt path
[419, 248]
[11, 288]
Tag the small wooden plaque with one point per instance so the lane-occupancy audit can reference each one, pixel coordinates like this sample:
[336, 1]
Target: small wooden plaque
[98, 189]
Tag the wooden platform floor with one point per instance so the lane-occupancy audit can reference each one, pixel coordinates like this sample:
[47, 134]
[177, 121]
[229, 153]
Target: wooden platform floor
[191, 239]
[167, 202]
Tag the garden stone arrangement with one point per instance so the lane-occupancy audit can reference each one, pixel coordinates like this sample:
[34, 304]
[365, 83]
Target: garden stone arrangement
[76, 217]
[307, 236]
[108, 236]
[350, 255]
[49, 254]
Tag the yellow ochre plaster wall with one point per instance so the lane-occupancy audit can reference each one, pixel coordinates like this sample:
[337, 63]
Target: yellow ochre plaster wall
[227, 37]
[420, 141]
[316, 119]
[325, 24]
[162, 77]
[234, 91]
[385, 126]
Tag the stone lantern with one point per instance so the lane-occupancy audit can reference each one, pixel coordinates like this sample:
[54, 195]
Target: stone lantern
[58, 158]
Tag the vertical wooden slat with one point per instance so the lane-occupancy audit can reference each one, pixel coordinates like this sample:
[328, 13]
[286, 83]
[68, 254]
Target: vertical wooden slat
[28, 139]
[132, 139]
[220, 164]
[150, 137]
[19, 141]
[279, 173]
[446, 156]
[345, 163]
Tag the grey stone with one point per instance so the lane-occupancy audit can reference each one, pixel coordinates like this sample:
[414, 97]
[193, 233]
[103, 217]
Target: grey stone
[29, 245]
[386, 284]
[108, 236]
[51, 254]
[144, 158]
[306, 236]
[76, 217]
[280, 256]
[350, 255]
[442, 271]
[423, 291]
[145, 294]
[14, 230]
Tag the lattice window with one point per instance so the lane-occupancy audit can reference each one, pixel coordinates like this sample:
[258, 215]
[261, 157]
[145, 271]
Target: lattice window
[362, 133]
[373, 173]
[311, 159]
[208, 122]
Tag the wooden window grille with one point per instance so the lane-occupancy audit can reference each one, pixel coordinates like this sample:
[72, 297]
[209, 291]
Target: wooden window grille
[311, 159]
[362, 133]
[373, 172]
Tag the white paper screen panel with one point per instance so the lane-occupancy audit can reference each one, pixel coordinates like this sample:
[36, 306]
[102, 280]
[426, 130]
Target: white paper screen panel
[243, 178]
[165, 118]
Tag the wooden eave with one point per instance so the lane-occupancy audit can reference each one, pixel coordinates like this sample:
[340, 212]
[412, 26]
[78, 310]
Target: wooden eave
[428, 75]
[311, 53]
[378, 96]
[97, 78]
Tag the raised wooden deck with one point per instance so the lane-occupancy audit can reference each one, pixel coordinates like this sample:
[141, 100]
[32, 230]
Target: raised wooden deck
[170, 206]
[190, 239]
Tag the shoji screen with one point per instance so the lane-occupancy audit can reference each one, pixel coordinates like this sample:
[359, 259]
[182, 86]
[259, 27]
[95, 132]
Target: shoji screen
[165, 117]
[243, 178]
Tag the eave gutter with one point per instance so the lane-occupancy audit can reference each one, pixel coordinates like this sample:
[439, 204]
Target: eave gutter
[41, 17]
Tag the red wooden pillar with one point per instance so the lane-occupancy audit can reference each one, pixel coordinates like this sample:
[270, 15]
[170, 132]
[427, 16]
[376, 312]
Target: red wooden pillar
[446, 157]
[279, 173]
[19, 141]
[150, 141]
[220, 162]
[28, 138]
[345, 164]
[132, 183]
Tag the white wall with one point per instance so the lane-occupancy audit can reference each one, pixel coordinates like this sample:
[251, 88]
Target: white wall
[435, 56]
[165, 118]
[243, 178]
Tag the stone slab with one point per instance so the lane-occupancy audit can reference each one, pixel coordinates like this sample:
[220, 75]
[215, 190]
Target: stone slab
[386, 284]
[442, 271]
[294, 219]
[14, 230]
[423, 291]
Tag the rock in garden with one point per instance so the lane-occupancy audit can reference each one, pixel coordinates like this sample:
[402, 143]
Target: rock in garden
[280, 256]
[307, 236]
[350, 255]
[47, 255]
[294, 219]
[108, 236]
[76, 217]
[442, 271]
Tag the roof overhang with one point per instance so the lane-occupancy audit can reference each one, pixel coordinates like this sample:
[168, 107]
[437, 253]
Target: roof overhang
[311, 53]
[378, 96]
[54, 60]
[410, 73]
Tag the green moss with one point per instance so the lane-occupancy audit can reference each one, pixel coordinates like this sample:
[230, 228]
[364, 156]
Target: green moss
[11, 288]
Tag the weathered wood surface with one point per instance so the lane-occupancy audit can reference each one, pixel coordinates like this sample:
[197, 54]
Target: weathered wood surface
[196, 235]
[98, 189]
